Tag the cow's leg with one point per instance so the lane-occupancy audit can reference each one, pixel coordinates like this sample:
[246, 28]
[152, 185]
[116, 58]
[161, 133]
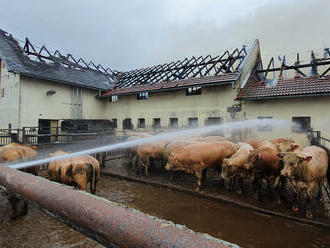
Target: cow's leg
[276, 188]
[147, 166]
[198, 173]
[204, 179]
[13, 201]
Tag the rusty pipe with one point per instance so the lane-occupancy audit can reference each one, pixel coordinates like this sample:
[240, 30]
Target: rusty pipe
[111, 224]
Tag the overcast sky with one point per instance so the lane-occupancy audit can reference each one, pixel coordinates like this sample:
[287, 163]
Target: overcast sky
[130, 34]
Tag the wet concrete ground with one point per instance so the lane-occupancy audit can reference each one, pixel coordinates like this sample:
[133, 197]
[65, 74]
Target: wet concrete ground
[236, 225]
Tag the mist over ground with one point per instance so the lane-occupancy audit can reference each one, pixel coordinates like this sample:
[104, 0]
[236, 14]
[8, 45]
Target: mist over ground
[133, 34]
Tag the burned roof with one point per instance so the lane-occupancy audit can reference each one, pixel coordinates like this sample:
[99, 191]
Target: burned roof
[202, 70]
[54, 67]
[176, 84]
[317, 83]
[284, 88]
[221, 69]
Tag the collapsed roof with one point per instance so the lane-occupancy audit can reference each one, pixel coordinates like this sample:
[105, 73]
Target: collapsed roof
[302, 84]
[54, 67]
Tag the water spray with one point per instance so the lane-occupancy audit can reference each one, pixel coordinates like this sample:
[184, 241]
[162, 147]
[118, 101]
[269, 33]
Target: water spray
[230, 126]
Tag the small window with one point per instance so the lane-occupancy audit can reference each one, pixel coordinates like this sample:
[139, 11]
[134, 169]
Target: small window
[114, 98]
[156, 123]
[265, 127]
[301, 124]
[114, 123]
[141, 123]
[174, 123]
[212, 121]
[142, 95]
[127, 124]
[195, 90]
[193, 122]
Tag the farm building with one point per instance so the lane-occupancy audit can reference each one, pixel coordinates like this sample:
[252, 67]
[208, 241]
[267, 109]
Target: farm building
[40, 88]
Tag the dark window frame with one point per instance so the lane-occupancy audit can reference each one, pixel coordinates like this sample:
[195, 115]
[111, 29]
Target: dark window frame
[142, 95]
[176, 124]
[141, 123]
[155, 123]
[194, 90]
[303, 124]
[192, 120]
[211, 121]
[115, 122]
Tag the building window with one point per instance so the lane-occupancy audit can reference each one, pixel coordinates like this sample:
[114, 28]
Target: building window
[156, 123]
[142, 95]
[212, 121]
[114, 123]
[114, 98]
[195, 90]
[301, 124]
[265, 127]
[193, 122]
[174, 123]
[141, 123]
[127, 123]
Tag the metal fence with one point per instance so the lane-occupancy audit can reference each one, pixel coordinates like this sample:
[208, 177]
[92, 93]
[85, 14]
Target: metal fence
[9, 136]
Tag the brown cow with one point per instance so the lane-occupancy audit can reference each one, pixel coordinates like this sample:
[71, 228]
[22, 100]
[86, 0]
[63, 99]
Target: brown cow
[265, 163]
[80, 171]
[77, 171]
[307, 168]
[148, 151]
[54, 167]
[196, 157]
[235, 164]
[13, 152]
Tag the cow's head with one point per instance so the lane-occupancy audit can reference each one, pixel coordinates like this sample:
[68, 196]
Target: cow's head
[80, 173]
[254, 157]
[292, 162]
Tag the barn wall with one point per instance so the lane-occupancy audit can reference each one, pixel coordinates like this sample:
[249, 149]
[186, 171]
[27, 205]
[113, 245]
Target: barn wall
[9, 111]
[213, 102]
[315, 107]
[35, 104]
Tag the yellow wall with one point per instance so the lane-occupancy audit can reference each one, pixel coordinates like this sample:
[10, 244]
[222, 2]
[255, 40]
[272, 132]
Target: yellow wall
[315, 107]
[35, 104]
[213, 102]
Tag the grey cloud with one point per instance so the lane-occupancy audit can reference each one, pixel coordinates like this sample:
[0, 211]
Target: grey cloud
[132, 34]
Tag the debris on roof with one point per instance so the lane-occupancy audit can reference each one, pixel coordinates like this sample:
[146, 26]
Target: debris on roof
[301, 84]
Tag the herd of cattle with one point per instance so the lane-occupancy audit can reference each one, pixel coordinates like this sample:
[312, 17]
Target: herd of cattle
[280, 163]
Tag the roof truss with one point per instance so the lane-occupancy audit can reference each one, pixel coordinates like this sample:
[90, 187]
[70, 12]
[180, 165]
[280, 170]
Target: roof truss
[183, 69]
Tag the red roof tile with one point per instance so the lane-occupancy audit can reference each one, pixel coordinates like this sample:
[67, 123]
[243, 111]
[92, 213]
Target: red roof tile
[176, 84]
[302, 86]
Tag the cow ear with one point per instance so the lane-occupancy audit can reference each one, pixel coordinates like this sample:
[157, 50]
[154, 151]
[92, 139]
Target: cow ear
[308, 158]
[280, 155]
[294, 146]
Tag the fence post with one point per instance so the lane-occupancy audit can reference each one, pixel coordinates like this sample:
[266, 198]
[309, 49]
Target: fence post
[318, 137]
[23, 136]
